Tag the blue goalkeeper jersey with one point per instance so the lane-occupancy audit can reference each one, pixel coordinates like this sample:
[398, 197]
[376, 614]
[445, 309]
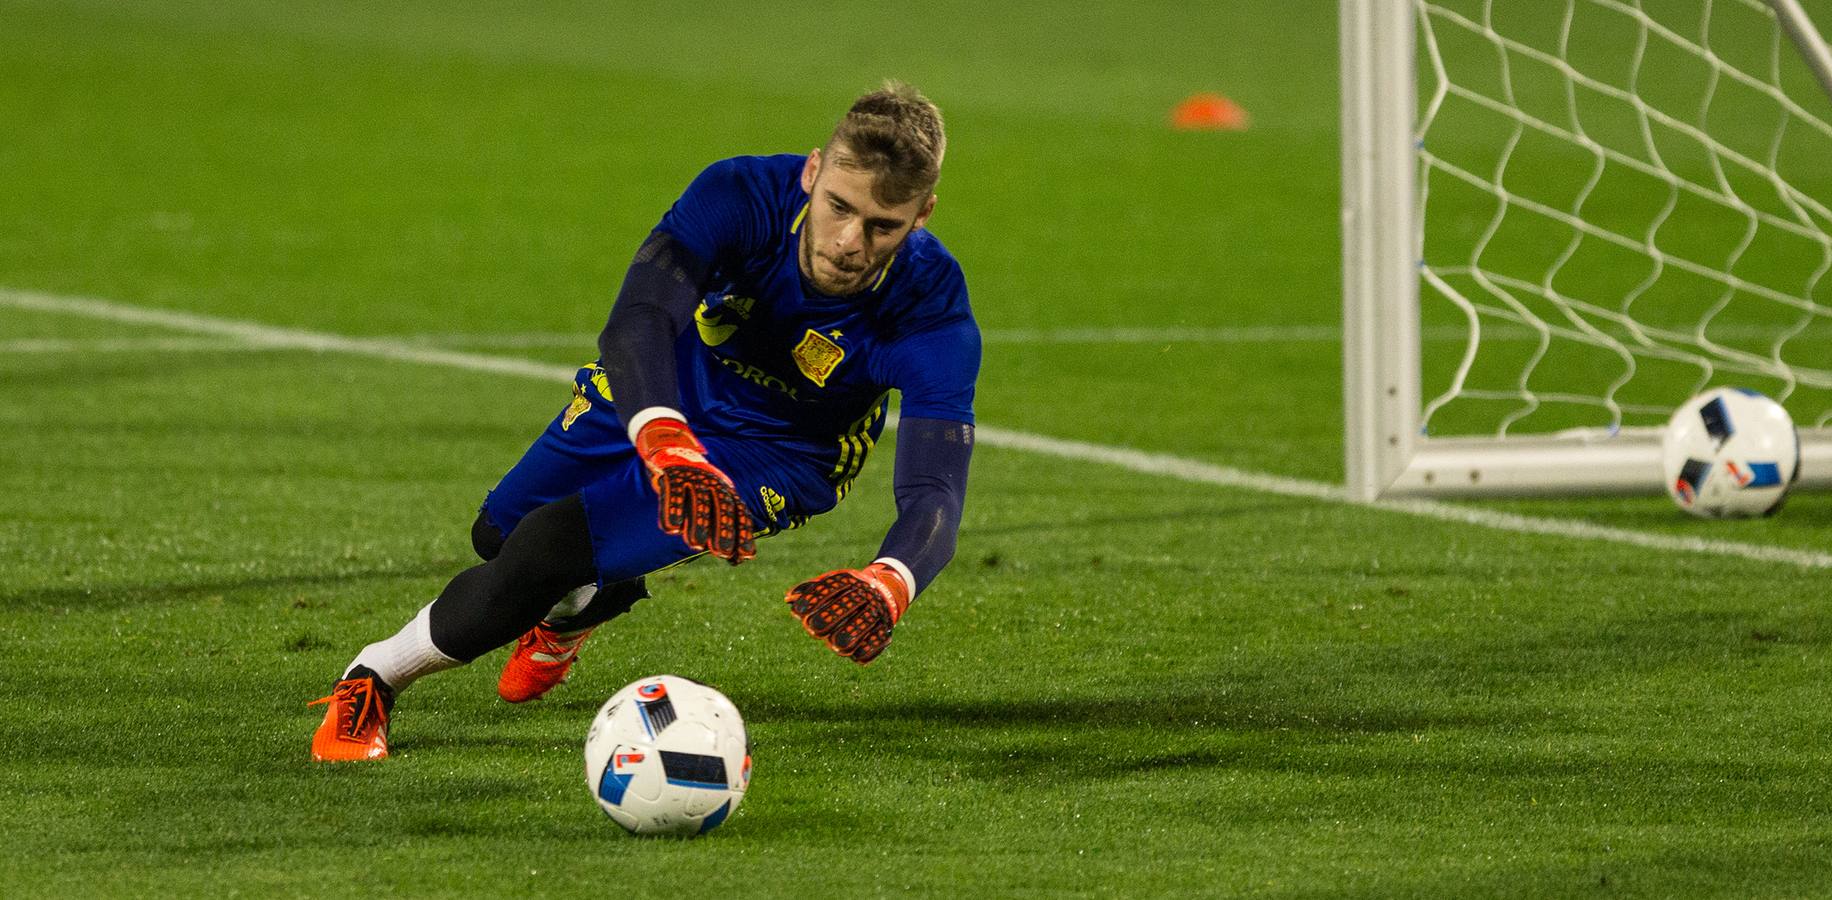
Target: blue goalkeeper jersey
[770, 357]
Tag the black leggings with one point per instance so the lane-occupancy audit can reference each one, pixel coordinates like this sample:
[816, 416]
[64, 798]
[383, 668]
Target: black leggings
[523, 575]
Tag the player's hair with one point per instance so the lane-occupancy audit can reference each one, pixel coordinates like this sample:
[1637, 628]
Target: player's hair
[894, 133]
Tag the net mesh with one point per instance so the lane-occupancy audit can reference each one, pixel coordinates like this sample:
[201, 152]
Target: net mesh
[1622, 204]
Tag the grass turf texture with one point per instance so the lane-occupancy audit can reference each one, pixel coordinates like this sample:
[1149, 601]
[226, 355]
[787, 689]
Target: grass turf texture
[1121, 686]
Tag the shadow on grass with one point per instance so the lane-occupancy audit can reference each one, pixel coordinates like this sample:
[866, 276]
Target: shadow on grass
[1524, 705]
[105, 597]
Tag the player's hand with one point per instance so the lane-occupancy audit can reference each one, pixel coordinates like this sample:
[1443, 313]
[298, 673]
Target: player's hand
[697, 501]
[852, 609]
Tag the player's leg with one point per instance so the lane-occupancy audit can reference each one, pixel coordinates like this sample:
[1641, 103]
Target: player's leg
[482, 608]
[580, 448]
[607, 531]
[582, 445]
[486, 606]
[544, 654]
[585, 607]
[486, 538]
[628, 544]
[575, 449]
[781, 485]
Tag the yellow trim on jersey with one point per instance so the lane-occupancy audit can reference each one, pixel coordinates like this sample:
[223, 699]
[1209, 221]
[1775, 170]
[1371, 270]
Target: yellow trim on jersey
[796, 226]
[887, 270]
[599, 381]
[855, 445]
[845, 459]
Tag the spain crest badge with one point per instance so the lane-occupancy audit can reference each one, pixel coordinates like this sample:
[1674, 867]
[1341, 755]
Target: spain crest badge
[817, 356]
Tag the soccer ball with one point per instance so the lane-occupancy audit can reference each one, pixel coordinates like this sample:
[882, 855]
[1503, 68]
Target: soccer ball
[667, 755]
[1730, 453]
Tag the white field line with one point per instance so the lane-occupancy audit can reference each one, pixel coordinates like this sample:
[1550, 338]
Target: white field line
[1186, 470]
[276, 337]
[128, 345]
[1206, 473]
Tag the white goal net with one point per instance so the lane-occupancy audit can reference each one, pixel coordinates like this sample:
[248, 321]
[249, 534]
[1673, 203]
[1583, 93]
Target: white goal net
[1603, 207]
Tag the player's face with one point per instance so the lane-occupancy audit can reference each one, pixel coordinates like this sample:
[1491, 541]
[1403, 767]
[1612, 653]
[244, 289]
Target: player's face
[849, 235]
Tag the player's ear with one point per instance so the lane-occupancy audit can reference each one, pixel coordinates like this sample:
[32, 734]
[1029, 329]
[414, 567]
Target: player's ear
[928, 209]
[811, 169]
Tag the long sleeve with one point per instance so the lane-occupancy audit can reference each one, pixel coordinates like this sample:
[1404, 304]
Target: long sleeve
[931, 487]
[636, 348]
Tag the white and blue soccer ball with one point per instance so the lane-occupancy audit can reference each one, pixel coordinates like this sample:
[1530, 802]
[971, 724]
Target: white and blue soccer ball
[1730, 453]
[668, 756]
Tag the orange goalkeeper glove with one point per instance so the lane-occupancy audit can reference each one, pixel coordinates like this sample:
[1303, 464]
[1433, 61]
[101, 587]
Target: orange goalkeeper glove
[852, 609]
[697, 501]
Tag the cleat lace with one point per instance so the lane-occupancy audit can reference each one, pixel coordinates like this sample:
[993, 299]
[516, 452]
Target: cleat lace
[542, 640]
[360, 705]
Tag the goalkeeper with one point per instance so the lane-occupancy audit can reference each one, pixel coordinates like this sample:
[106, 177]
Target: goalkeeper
[743, 377]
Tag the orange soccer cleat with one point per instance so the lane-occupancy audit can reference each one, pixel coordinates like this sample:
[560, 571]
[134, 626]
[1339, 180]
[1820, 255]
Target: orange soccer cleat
[355, 727]
[540, 660]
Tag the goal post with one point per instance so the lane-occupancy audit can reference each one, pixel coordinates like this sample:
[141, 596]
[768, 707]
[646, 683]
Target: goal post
[1562, 218]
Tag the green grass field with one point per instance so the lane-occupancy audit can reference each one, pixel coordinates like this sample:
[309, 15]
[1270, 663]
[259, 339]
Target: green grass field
[1125, 685]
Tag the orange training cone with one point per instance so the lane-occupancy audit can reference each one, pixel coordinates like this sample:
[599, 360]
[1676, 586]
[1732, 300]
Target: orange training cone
[1208, 112]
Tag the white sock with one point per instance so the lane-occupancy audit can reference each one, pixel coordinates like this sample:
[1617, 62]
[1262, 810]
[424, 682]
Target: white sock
[572, 604]
[402, 659]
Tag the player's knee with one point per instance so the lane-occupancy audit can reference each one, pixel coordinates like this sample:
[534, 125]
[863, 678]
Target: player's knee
[611, 601]
[486, 538]
[548, 554]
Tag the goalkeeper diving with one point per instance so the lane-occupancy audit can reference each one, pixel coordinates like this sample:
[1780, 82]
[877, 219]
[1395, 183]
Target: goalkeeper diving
[743, 377]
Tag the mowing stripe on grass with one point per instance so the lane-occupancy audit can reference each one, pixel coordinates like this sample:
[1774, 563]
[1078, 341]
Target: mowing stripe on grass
[1188, 470]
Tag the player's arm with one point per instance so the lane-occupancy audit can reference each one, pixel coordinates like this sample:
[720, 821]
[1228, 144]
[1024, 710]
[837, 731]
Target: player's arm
[636, 350]
[854, 610]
